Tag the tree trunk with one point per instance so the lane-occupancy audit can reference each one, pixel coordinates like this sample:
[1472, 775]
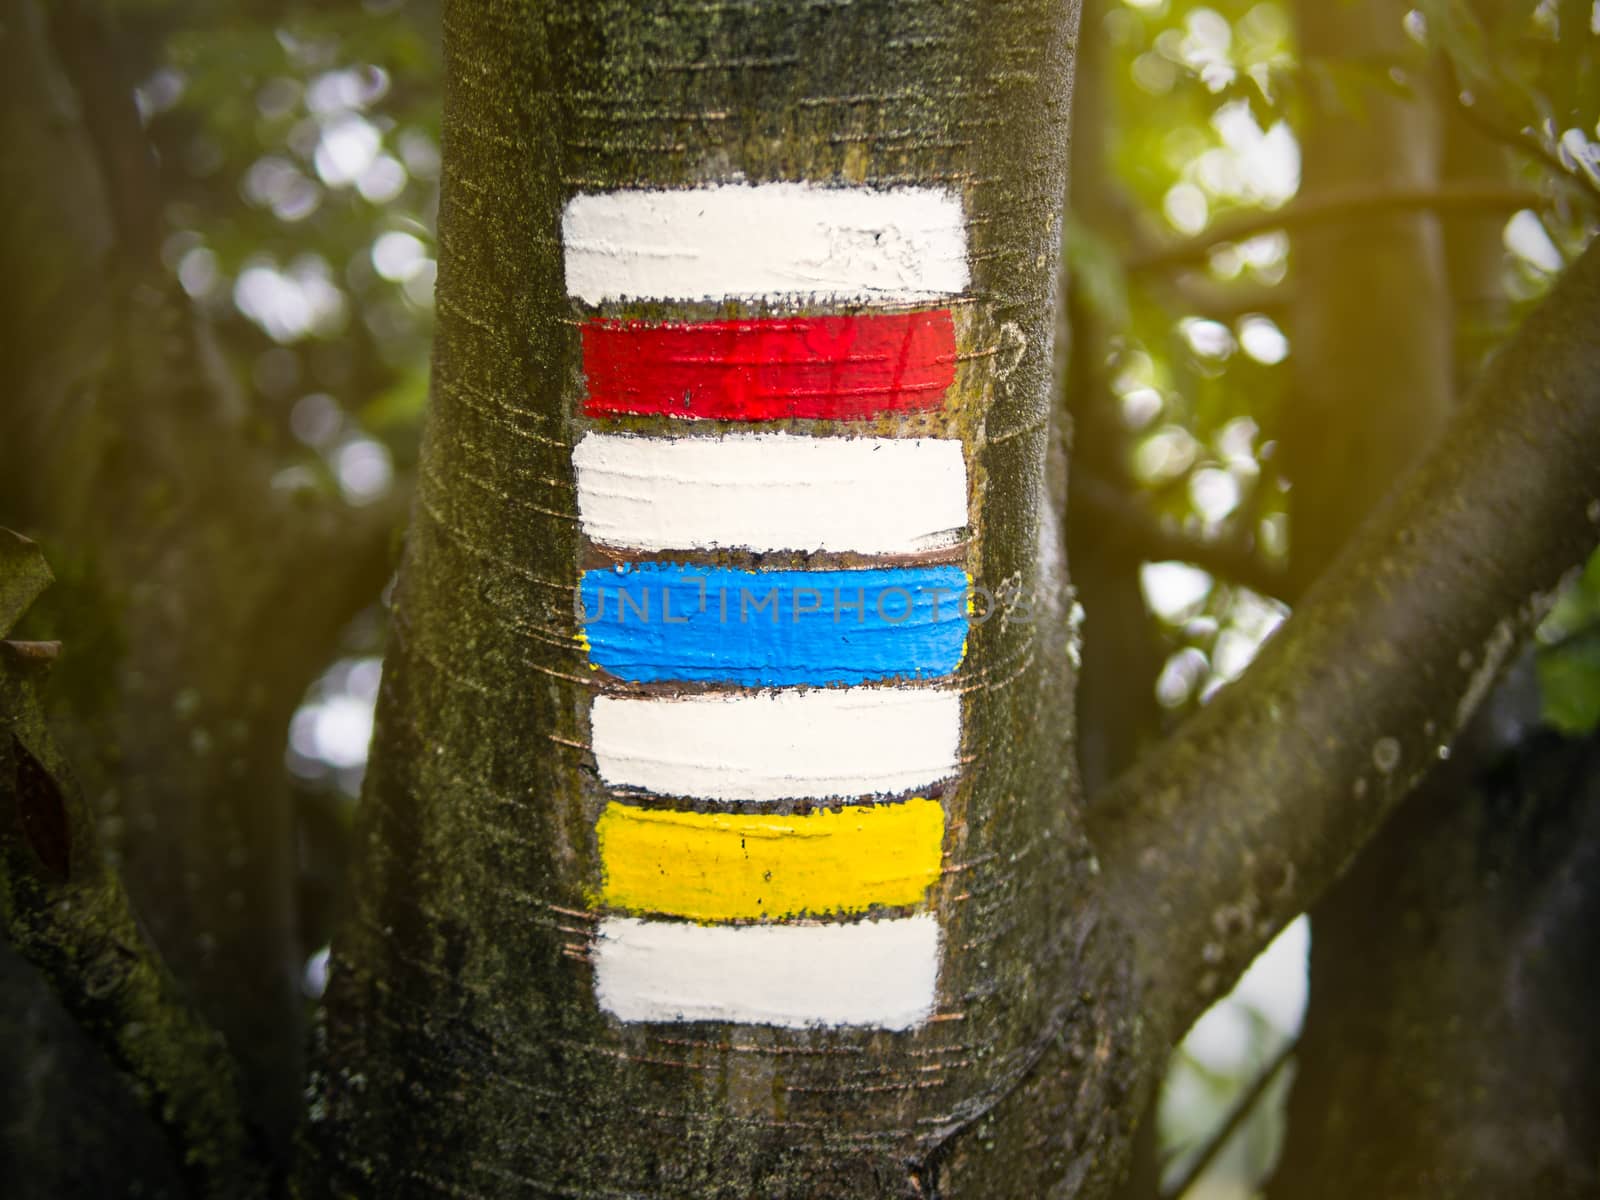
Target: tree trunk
[1370, 323]
[466, 1051]
[1451, 1048]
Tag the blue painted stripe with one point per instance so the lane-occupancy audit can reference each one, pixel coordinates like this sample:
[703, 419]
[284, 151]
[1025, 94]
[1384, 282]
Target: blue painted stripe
[654, 621]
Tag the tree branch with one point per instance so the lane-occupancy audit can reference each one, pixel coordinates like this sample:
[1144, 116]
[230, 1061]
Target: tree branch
[1226, 832]
[1145, 537]
[1524, 141]
[1353, 202]
[67, 913]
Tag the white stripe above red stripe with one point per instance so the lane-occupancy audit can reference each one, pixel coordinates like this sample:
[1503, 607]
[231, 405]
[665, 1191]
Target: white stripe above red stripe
[775, 241]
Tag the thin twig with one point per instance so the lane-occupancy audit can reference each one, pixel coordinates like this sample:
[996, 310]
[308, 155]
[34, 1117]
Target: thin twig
[1337, 205]
[1522, 141]
[1242, 1108]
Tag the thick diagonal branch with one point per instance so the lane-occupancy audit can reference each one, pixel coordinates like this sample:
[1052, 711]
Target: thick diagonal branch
[1228, 831]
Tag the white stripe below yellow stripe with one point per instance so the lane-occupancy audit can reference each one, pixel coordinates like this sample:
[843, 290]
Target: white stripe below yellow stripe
[882, 974]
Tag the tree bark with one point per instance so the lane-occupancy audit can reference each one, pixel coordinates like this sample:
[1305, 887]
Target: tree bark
[465, 1051]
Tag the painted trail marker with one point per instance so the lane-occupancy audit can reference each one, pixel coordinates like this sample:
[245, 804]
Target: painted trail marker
[830, 368]
[877, 973]
[777, 737]
[721, 866]
[771, 241]
[654, 622]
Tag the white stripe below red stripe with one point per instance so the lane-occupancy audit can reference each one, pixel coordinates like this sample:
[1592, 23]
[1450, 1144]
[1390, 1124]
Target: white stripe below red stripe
[771, 491]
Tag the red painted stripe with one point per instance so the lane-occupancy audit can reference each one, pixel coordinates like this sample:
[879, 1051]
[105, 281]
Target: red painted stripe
[825, 368]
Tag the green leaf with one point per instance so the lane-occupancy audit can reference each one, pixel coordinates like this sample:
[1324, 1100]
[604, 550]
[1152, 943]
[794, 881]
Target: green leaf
[1576, 609]
[1569, 683]
[1569, 658]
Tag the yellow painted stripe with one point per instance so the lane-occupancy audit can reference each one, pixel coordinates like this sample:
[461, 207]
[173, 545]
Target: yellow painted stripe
[732, 866]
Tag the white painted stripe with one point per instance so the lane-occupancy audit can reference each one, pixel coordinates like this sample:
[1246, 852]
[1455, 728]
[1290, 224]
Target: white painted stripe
[771, 491]
[769, 240]
[785, 745]
[876, 973]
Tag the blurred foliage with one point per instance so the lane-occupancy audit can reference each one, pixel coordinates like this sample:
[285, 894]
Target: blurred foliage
[1205, 99]
[1199, 107]
[299, 158]
[1531, 69]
